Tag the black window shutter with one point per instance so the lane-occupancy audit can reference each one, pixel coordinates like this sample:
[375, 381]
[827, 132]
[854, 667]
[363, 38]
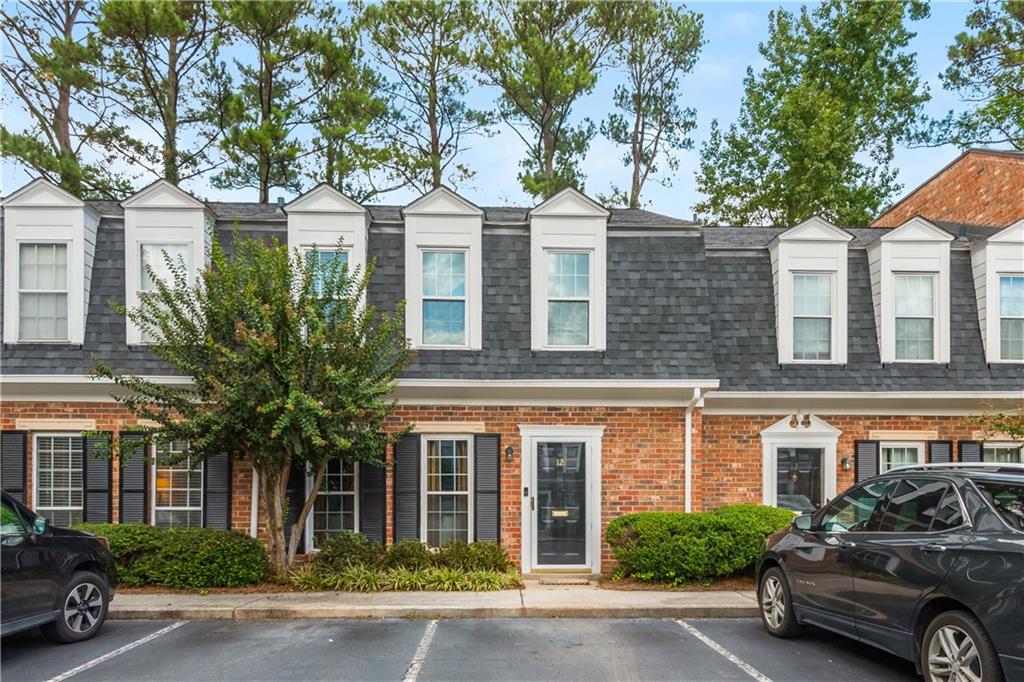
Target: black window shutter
[372, 501]
[99, 475]
[12, 463]
[487, 487]
[970, 450]
[940, 451]
[217, 492]
[865, 457]
[134, 479]
[407, 488]
[295, 492]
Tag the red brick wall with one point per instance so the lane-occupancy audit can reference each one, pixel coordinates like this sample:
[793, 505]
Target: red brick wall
[978, 188]
[731, 466]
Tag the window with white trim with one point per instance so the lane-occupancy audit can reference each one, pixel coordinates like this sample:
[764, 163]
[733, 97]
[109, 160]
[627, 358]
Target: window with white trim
[444, 298]
[336, 507]
[323, 262]
[43, 291]
[59, 483]
[568, 298]
[894, 455]
[177, 487]
[812, 316]
[914, 304]
[154, 267]
[447, 499]
[1003, 453]
[1011, 317]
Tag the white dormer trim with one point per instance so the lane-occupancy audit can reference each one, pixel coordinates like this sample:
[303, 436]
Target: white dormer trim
[444, 221]
[1000, 254]
[42, 212]
[162, 213]
[323, 216]
[815, 246]
[569, 221]
[915, 247]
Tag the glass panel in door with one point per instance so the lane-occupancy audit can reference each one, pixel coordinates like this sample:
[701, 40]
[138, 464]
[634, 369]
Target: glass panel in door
[798, 484]
[561, 511]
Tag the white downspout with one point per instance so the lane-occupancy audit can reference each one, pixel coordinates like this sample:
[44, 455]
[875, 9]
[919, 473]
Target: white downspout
[254, 512]
[688, 451]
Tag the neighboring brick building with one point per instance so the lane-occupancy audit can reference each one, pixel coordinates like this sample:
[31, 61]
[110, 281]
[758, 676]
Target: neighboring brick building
[574, 363]
[980, 187]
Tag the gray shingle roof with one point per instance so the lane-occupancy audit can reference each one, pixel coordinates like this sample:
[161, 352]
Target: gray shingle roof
[761, 237]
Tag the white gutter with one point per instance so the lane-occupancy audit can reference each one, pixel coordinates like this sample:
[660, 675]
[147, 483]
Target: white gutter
[688, 450]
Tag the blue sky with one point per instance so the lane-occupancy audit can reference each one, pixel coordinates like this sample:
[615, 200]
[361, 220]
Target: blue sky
[714, 89]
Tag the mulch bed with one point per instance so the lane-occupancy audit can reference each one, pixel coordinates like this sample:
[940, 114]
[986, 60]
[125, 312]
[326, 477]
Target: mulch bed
[730, 584]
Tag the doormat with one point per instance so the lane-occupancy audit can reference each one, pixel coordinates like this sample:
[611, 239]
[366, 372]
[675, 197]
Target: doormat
[564, 580]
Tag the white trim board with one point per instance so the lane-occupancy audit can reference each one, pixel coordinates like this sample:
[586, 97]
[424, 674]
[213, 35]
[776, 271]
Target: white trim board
[820, 434]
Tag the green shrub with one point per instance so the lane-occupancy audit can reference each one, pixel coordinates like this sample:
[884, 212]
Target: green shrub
[182, 557]
[347, 549]
[411, 554]
[475, 556]
[681, 548]
[362, 579]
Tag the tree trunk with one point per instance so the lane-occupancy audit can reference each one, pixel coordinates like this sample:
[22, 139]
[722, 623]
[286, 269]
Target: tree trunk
[266, 99]
[636, 183]
[435, 144]
[274, 493]
[171, 172]
[70, 174]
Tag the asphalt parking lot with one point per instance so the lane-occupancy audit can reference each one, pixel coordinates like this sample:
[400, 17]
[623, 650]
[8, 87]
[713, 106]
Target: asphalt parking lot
[497, 649]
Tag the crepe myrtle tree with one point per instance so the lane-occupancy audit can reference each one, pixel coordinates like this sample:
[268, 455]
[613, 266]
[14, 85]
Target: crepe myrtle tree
[289, 365]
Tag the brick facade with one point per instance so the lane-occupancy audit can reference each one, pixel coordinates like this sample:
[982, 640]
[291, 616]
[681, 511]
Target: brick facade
[980, 188]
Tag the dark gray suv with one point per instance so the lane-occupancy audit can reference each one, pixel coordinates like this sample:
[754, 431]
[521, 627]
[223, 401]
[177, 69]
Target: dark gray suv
[925, 562]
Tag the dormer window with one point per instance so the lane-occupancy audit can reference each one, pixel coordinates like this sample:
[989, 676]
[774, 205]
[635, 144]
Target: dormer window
[812, 316]
[324, 261]
[43, 291]
[568, 277]
[154, 267]
[1011, 316]
[444, 298]
[914, 300]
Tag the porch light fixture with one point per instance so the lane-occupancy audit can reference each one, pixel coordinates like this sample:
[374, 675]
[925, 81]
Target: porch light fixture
[846, 464]
[508, 453]
[793, 422]
[806, 423]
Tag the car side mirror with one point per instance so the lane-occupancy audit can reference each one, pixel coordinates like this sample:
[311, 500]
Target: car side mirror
[40, 525]
[803, 522]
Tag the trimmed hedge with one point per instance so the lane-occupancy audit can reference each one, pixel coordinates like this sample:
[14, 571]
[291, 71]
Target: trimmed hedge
[677, 548]
[182, 557]
[349, 549]
[364, 579]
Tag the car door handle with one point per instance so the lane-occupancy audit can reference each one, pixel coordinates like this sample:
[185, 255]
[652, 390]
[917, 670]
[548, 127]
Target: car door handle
[934, 547]
[846, 544]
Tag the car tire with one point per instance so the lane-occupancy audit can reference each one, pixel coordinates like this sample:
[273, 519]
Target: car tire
[83, 609]
[775, 604]
[948, 633]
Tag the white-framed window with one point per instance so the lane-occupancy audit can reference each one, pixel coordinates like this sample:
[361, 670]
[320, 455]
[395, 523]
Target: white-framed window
[898, 454]
[444, 298]
[914, 305]
[812, 316]
[59, 477]
[325, 261]
[1003, 453]
[43, 291]
[153, 257]
[568, 298]
[447, 504]
[177, 487]
[1011, 317]
[337, 502]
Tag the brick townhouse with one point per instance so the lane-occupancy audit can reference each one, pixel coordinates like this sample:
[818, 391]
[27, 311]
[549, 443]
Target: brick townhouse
[574, 362]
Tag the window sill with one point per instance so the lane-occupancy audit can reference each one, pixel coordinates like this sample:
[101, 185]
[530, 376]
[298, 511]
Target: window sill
[433, 347]
[76, 345]
[568, 349]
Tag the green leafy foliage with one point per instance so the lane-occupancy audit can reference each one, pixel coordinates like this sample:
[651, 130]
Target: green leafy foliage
[678, 548]
[349, 549]
[1003, 425]
[819, 124]
[435, 579]
[182, 557]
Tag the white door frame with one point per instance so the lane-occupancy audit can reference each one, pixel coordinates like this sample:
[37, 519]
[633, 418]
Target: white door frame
[591, 436]
[819, 434]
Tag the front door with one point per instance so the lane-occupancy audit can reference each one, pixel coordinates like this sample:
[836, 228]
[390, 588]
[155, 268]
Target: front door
[560, 512]
[798, 483]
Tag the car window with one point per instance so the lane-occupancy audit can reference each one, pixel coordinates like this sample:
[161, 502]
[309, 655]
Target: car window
[1007, 499]
[10, 522]
[949, 514]
[913, 505]
[853, 512]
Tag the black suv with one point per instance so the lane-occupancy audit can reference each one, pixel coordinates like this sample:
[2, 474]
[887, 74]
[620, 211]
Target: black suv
[56, 578]
[926, 562]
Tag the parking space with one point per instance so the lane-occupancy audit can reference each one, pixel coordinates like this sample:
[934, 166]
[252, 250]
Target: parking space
[498, 649]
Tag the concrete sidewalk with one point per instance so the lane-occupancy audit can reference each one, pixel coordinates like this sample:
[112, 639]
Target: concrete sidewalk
[533, 601]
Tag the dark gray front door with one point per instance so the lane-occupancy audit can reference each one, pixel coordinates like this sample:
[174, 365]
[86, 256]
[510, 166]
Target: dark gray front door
[798, 483]
[561, 504]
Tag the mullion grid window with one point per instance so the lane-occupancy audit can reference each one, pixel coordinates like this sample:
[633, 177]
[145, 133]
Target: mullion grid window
[1011, 317]
[60, 462]
[177, 487]
[898, 454]
[444, 297]
[152, 255]
[43, 291]
[568, 298]
[336, 506]
[1003, 454]
[812, 316]
[324, 264]
[914, 303]
[447, 498]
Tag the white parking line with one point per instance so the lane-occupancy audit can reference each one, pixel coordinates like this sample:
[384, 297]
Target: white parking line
[725, 653]
[413, 671]
[117, 652]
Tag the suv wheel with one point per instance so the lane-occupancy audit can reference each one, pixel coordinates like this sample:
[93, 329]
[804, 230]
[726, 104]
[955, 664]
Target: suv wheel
[955, 647]
[83, 610]
[776, 604]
